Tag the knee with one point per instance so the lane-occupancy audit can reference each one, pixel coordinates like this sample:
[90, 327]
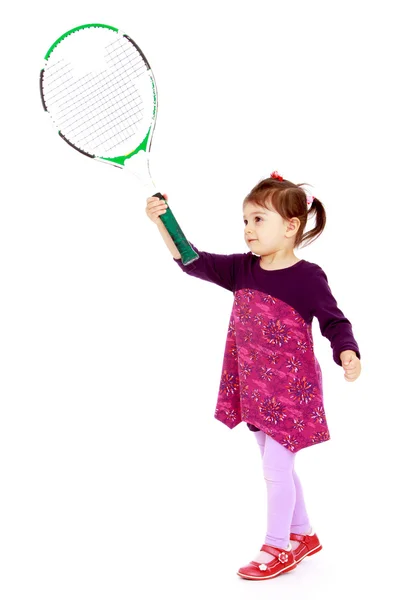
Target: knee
[275, 474]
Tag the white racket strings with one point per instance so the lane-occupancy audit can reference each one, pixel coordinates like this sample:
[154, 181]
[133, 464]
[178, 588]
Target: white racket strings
[94, 98]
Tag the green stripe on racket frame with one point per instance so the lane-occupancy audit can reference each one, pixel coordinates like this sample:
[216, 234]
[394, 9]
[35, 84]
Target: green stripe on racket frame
[99, 90]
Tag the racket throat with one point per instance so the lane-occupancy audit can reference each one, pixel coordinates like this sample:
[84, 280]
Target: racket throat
[138, 165]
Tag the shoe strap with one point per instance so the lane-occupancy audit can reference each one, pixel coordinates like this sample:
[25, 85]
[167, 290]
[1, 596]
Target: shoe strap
[296, 537]
[274, 551]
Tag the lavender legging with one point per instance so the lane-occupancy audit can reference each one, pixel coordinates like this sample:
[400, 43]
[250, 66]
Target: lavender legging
[286, 509]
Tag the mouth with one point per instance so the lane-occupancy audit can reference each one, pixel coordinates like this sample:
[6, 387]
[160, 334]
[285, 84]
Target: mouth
[251, 241]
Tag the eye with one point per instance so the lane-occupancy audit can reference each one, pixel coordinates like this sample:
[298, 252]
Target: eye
[256, 218]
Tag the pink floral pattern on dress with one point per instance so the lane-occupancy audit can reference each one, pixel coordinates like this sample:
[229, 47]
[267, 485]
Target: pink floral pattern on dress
[270, 375]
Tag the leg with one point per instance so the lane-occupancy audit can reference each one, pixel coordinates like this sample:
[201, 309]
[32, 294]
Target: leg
[300, 521]
[278, 463]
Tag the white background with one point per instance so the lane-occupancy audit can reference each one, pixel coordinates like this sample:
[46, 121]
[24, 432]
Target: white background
[115, 479]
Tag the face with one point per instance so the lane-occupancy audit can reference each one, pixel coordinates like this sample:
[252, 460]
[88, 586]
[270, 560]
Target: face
[264, 229]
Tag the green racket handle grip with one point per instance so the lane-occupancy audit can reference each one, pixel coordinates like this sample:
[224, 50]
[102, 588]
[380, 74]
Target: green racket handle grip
[187, 253]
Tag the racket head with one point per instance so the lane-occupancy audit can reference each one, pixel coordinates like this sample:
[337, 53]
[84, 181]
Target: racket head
[99, 90]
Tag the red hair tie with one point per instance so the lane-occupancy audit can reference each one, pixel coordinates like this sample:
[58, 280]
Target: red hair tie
[275, 175]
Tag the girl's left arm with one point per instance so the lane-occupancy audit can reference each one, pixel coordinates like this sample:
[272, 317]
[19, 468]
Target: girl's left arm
[333, 323]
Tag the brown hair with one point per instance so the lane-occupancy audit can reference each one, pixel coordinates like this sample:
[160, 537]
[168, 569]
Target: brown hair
[289, 200]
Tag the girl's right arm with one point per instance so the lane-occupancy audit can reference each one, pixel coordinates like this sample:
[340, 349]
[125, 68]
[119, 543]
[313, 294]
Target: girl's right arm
[216, 268]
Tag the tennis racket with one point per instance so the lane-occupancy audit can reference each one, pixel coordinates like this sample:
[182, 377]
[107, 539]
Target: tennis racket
[99, 90]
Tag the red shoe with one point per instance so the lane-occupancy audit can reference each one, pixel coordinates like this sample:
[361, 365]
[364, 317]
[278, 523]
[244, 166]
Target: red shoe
[284, 561]
[309, 545]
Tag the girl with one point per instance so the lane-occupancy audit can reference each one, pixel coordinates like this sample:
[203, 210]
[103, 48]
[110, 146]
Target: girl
[271, 378]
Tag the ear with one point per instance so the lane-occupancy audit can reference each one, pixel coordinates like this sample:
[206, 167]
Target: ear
[292, 227]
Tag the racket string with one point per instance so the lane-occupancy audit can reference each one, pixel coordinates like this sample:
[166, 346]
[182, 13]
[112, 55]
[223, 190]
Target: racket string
[88, 119]
[87, 90]
[49, 69]
[77, 116]
[113, 96]
[121, 123]
[127, 131]
[98, 100]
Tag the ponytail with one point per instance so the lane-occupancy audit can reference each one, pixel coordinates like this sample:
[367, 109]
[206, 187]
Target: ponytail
[318, 209]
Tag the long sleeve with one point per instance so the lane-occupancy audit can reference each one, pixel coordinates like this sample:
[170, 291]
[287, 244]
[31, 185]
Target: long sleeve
[333, 323]
[215, 268]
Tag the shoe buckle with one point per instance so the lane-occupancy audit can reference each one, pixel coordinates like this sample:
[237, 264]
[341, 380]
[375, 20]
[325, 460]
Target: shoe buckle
[263, 567]
[283, 557]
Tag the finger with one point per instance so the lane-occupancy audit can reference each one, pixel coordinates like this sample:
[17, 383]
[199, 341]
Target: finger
[157, 211]
[159, 198]
[157, 207]
[152, 199]
[151, 202]
[155, 217]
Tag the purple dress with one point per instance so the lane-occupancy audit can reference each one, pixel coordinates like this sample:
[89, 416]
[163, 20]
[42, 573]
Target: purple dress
[271, 378]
